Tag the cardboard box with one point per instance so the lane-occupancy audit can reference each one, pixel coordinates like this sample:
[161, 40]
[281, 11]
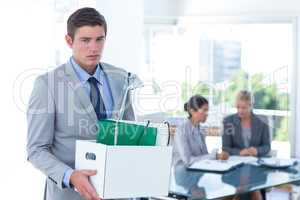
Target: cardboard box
[126, 171]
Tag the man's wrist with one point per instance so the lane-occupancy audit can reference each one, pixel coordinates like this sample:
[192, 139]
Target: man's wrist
[67, 178]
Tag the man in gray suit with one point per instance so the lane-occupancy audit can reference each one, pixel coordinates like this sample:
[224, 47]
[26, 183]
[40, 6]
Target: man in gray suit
[66, 104]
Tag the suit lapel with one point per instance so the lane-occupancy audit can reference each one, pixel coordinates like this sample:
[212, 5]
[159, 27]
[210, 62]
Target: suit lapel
[79, 91]
[254, 126]
[239, 136]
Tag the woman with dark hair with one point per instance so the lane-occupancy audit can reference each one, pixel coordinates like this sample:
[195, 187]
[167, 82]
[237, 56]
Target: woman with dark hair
[189, 142]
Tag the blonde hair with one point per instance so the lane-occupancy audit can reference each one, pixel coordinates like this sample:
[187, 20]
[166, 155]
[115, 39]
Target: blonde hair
[244, 95]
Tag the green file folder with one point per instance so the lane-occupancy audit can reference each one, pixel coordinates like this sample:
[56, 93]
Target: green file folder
[129, 133]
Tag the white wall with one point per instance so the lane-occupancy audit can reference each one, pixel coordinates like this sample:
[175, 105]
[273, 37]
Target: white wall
[295, 96]
[240, 7]
[162, 8]
[124, 45]
[173, 8]
[26, 49]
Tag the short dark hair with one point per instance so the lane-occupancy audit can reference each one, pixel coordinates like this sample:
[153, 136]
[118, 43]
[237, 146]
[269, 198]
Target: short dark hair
[195, 102]
[85, 17]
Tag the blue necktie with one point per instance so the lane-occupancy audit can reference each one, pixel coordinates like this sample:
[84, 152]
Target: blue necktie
[96, 99]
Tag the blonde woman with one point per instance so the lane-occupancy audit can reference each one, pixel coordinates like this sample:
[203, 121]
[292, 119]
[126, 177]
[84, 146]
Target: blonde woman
[245, 133]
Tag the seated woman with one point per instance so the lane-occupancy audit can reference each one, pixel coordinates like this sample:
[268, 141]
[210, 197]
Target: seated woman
[189, 141]
[245, 133]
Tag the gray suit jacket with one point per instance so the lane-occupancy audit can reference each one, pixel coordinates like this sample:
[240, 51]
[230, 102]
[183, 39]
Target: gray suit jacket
[232, 138]
[59, 113]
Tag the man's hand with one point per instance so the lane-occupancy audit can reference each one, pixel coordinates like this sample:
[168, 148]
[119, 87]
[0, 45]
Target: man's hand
[80, 180]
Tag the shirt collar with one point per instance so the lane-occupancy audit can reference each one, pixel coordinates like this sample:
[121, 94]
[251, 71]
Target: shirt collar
[83, 75]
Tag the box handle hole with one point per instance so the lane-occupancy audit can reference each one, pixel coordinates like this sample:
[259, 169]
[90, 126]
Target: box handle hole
[90, 156]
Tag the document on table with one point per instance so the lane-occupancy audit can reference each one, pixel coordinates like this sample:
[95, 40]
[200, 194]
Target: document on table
[215, 165]
[277, 162]
[244, 159]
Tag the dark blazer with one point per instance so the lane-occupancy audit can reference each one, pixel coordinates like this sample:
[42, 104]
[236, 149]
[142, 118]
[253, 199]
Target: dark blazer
[232, 139]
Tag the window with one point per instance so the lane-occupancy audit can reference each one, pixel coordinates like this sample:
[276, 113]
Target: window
[217, 61]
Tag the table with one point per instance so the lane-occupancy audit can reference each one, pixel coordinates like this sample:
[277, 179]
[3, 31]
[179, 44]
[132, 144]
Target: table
[247, 178]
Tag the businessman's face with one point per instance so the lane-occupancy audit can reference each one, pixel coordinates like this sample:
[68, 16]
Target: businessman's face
[87, 46]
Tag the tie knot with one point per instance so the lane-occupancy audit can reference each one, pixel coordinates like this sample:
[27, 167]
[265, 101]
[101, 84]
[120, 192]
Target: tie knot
[93, 80]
